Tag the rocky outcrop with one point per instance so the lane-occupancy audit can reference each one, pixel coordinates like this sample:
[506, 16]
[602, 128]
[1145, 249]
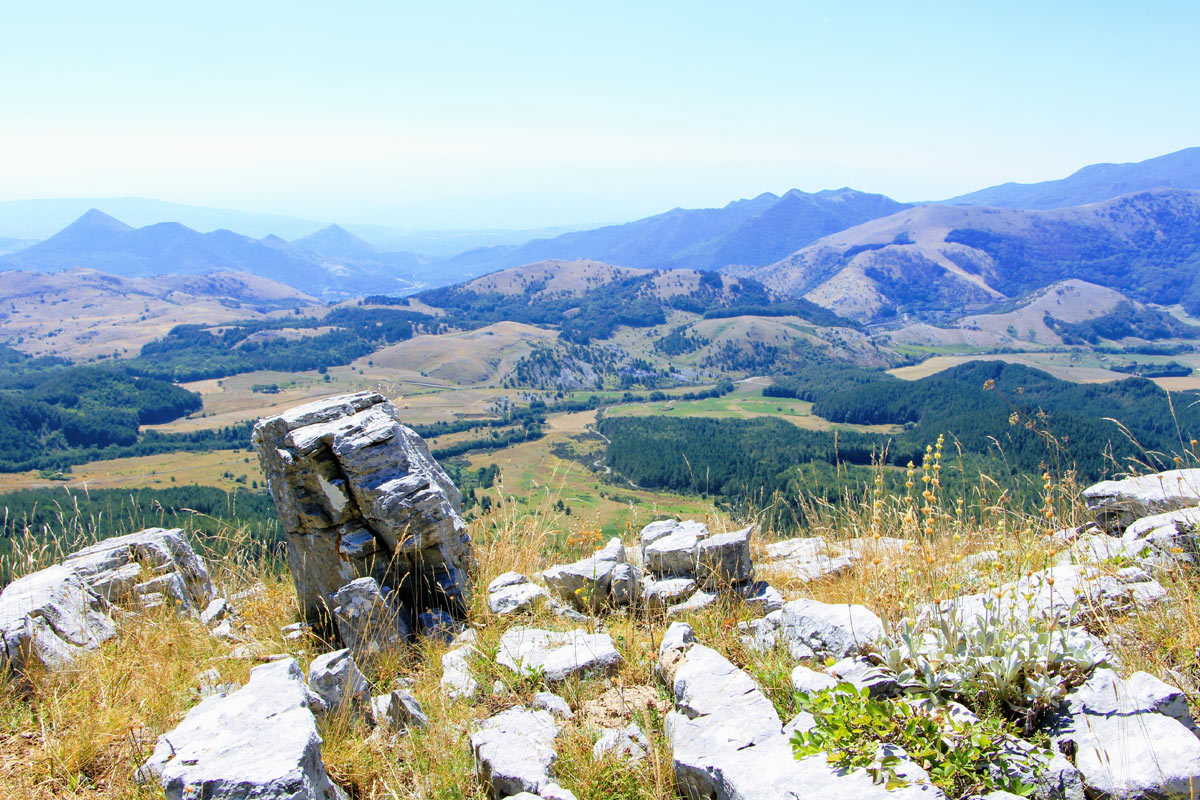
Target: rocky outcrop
[1129, 738]
[260, 741]
[728, 743]
[1116, 504]
[51, 616]
[360, 496]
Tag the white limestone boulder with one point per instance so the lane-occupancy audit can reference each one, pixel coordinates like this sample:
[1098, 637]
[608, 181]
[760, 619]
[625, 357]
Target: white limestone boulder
[366, 622]
[1117, 504]
[512, 593]
[337, 680]
[837, 630]
[514, 751]
[49, 618]
[557, 655]
[260, 741]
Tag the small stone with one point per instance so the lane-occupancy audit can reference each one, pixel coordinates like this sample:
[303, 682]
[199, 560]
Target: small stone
[367, 623]
[215, 611]
[397, 711]
[629, 742]
[659, 594]
[762, 596]
[810, 681]
[552, 703]
[723, 560]
[514, 751]
[700, 599]
[863, 674]
[337, 680]
[556, 656]
[512, 592]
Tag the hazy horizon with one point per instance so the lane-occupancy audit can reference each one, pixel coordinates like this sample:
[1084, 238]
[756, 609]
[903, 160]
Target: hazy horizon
[530, 115]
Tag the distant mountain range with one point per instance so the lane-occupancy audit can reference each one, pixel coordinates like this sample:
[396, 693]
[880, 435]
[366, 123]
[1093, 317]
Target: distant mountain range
[1093, 184]
[755, 231]
[825, 246]
[937, 258]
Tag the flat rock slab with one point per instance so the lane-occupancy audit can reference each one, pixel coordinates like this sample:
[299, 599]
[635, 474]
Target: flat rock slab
[514, 751]
[1117, 504]
[557, 655]
[728, 742]
[260, 741]
[1125, 746]
[513, 592]
[838, 630]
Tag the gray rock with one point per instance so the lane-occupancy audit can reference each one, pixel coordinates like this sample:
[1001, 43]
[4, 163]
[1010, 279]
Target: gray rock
[626, 585]
[837, 630]
[552, 703]
[1062, 592]
[766, 632]
[367, 623]
[1172, 535]
[512, 592]
[336, 679]
[629, 742]
[1117, 504]
[863, 674]
[514, 751]
[728, 743]
[723, 560]
[217, 610]
[1123, 745]
[762, 596]
[457, 681]
[360, 496]
[810, 681]
[151, 561]
[657, 530]
[397, 711]
[260, 741]
[806, 559]
[50, 617]
[557, 655]
[436, 623]
[587, 585]
[657, 595]
[700, 599]
[552, 791]
[674, 554]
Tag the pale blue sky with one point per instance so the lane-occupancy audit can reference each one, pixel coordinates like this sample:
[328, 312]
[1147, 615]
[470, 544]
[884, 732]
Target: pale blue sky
[473, 114]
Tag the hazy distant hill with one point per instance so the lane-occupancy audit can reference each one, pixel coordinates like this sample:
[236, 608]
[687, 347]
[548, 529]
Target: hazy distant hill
[98, 241]
[1093, 184]
[944, 258]
[756, 231]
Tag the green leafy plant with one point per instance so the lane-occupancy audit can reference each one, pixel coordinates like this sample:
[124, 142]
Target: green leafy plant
[855, 731]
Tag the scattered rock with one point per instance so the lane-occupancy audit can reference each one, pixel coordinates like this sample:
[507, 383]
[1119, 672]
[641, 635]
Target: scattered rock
[546, 701]
[863, 674]
[336, 679]
[837, 630]
[657, 595]
[457, 681]
[1064, 592]
[397, 711]
[806, 559]
[670, 550]
[1117, 504]
[513, 592]
[160, 561]
[1123, 744]
[587, 585]
[724, 560]
[366, 621]
[809, 681]
[762, 596]
[701, 599]
[728, 743]
[360, 496]
[557, 655]
[514, 751]
[260, 741]
[629, 742]
[217, 610]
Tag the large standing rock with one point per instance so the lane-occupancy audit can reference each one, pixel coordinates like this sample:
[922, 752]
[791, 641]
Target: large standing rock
[728, 742]
[1123, 744]
[260, 741]
[557, 655]
[1117, 504]
[359, 495]
[49, 617]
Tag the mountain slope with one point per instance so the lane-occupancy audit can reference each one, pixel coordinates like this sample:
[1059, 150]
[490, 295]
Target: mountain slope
[755, 231]
[1093, 184]
[944, 258]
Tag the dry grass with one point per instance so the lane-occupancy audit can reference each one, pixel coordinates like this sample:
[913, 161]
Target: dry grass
[81, 734]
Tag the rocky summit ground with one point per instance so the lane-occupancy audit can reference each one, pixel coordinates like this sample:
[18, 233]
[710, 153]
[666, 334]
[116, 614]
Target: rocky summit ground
[905, 646]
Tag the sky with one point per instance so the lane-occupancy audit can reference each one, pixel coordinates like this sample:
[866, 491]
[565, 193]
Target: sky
[454, 115]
